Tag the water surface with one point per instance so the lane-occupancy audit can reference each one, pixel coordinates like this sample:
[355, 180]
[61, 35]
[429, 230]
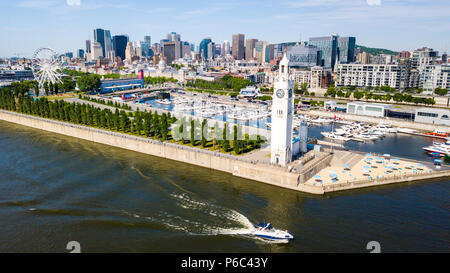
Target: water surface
[55, 189]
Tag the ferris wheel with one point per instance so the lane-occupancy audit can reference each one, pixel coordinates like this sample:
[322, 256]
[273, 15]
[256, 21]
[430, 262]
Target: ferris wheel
[45, 66]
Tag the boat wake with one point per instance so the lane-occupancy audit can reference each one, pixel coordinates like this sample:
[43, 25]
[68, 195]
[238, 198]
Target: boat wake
[199, 217]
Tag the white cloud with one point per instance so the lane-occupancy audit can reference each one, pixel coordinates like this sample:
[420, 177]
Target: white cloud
[374, 2]
[74, 2]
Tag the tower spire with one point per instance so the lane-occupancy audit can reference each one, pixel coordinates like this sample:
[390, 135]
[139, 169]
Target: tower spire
[284, 67]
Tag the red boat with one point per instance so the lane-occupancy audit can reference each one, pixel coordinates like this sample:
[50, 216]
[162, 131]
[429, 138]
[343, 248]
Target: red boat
[438, 133]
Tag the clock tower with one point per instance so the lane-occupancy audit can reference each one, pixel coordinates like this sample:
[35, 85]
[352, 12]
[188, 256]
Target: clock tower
[282, 112]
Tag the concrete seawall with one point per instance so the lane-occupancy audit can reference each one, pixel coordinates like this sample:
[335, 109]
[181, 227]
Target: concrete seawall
[234, 165]
[386, 181]
[268, 174]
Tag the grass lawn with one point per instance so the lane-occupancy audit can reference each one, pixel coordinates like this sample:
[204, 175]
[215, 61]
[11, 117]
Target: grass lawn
[59, 96]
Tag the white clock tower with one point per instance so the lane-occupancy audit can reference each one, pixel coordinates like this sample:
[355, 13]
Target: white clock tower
[282, 111]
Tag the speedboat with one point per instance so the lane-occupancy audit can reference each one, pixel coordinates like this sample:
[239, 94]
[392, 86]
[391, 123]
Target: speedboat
[266, 231]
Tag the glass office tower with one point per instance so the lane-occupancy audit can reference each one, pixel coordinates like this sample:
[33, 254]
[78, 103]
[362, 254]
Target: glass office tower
[329, 49]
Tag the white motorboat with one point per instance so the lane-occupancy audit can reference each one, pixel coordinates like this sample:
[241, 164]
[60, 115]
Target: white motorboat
[406, 130]
[266, 231]
[441, 148]
[335, 137]
[383, 127]
[164, 101]
[321, 120]
[365, 136]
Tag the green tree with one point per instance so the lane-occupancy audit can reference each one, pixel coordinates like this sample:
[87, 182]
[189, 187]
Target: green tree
[440, 91]
[203, 137]
[225, 141]
[358, 95]
[192, 132]
[89, 82]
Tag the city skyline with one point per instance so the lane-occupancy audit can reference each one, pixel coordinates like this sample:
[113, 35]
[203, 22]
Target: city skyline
[417, 23]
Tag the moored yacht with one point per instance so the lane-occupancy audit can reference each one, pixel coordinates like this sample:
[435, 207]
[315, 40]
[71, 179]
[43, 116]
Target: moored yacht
[441, 148]
[335, 136]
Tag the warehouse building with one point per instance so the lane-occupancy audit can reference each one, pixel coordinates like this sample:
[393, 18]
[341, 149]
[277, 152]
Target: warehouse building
[368, 109]
[433, 116]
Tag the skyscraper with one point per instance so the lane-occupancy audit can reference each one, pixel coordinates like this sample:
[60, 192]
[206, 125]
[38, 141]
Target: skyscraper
[148, 39]
[262, 54]
[129, 52]
[103, 37]
[80, 53]
[108, 52]
[169, 49]
[173, 36]
[226, 47]
[218, 50]
[120, 45]
[346, 49]
[96, 51]
[88, 46]
[211, 51]
[186, 51]
[328, 46]
[304, 56]
[99, 37]
[249, 48]
[238, 46]
[203, 50]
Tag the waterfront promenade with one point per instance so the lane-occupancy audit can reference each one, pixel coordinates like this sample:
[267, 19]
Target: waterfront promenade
[294, 179]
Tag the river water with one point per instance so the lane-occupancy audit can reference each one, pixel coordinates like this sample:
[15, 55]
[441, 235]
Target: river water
[55, 189]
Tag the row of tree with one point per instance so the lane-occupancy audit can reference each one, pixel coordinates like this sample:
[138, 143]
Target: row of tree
[438, 91]
[397, 97]
[105, 102]
[158, 80]
[195, 133]
[139, 123]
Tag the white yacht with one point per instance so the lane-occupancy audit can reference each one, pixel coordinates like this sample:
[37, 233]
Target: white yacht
[335, 137]
[441, 148]
[321, 120]
[386, 128]
[366, 136]
[164, 101]
[266, 231]
[406, 130]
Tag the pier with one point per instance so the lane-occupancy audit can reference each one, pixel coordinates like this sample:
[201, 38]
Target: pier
[298, 177]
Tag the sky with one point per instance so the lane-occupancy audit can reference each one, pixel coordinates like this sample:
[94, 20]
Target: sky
[65, 25]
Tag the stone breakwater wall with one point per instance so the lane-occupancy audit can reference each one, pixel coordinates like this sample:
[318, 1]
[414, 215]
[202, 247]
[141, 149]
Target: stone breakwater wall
[387, 181]
[234, 165]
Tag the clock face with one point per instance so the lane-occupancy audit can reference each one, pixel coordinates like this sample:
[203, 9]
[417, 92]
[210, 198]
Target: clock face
[290, 93]
[280, 93]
